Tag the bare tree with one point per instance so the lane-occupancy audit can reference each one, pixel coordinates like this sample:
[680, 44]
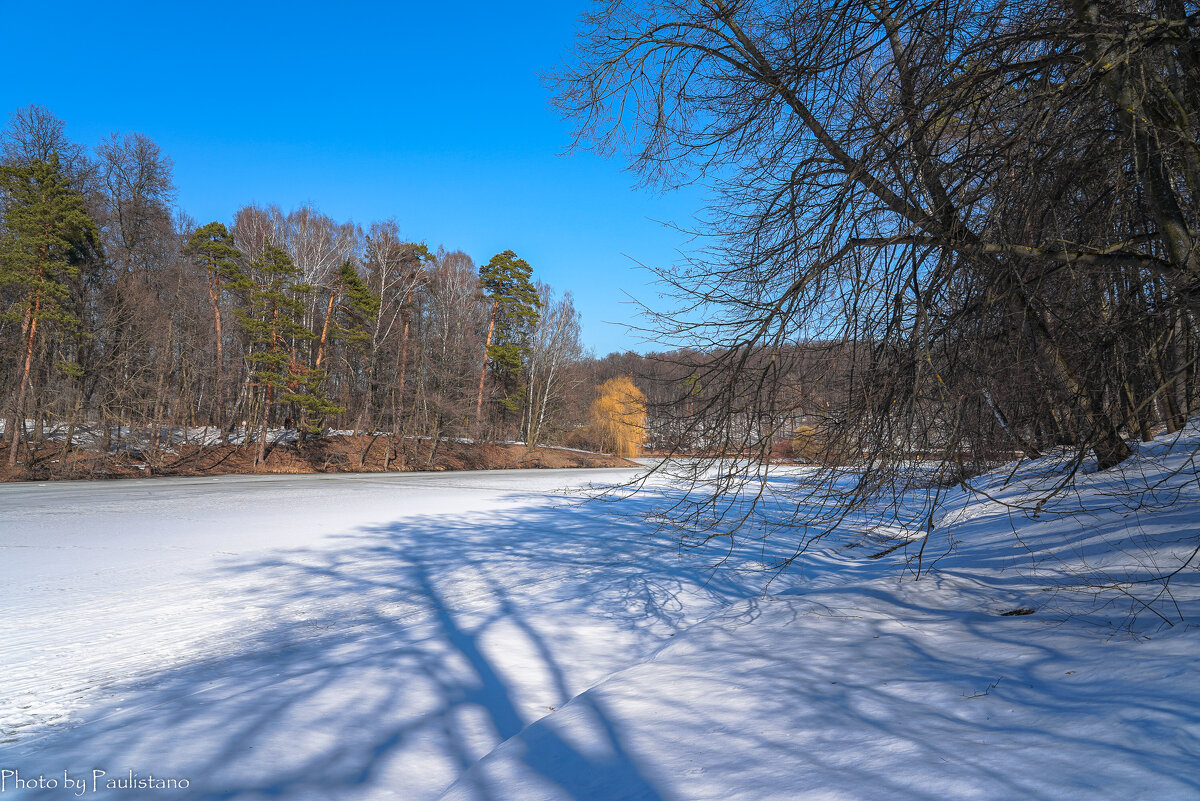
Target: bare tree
[553, 348]
[454, 318]
[914, 192]
[395, 272]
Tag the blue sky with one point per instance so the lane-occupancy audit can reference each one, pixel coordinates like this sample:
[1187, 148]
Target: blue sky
[434, 114]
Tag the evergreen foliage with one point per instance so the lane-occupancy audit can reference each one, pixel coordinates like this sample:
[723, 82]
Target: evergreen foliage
[273, 318]
[353, 309]
[212, 248]
[507, 285]
[47, 233]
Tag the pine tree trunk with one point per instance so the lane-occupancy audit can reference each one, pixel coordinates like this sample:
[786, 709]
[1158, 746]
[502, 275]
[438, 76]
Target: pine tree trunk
[30, 331]
[483, 370]
[324, 332]
[260, 454]
[213, 295]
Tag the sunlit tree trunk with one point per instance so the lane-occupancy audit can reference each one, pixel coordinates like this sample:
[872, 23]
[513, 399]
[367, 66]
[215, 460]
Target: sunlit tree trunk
[29, 329]
[487, 343]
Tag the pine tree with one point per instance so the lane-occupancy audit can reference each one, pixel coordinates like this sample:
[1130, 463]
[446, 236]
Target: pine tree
[46, 233]
[514, 313]
[211, 247]
[272, 317]
[349, 312]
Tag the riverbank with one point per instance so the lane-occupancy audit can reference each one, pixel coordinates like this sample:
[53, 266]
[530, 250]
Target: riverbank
[338, 453]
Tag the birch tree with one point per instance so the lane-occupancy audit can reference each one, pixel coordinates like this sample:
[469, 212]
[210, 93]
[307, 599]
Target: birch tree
[553, 348]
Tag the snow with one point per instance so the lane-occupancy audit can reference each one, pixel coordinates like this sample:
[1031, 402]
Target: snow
[91, 435]
[489, 636]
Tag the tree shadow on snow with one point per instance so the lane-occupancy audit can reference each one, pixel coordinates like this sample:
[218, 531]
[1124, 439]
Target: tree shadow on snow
[393, 661]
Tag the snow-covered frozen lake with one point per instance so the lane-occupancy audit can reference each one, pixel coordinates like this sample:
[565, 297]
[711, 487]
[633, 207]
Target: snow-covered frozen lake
[317, 636]
[485, 636]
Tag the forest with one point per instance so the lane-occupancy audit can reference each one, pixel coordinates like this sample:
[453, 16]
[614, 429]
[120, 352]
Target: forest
[125, 317]
[951, 233]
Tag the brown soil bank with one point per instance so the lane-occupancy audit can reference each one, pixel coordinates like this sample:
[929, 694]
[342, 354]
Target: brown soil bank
[335, 454]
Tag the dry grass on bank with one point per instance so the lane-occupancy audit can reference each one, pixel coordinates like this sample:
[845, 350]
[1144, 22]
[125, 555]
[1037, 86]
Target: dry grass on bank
[335, 454]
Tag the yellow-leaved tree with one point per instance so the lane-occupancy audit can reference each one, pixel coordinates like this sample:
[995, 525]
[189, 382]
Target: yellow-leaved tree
[618, 417]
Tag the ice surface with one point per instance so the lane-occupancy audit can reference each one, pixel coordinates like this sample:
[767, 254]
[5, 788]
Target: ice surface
[485, 636]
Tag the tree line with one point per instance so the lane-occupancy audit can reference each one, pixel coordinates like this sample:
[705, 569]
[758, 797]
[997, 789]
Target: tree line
[120, 313]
